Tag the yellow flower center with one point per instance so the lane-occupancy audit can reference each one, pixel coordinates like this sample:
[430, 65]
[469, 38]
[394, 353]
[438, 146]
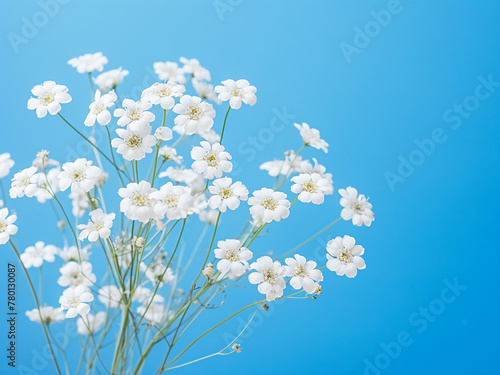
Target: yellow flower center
[226, 192]
[194, 112]
[269, 203]
[310, 187]
[133, 141]
[140, 200]
[212, 159]
[345, 255]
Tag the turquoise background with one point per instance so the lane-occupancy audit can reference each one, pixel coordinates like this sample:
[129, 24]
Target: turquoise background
[415, 78]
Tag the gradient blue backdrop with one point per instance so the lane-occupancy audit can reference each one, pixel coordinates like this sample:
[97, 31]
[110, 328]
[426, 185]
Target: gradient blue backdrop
[440, 225]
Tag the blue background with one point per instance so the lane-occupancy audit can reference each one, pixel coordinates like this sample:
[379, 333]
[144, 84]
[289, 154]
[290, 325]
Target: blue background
[440, 224]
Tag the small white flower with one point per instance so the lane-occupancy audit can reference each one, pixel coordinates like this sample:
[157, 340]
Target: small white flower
[210, 136]
[89, 62]
[344, 256]
[356, 207]
[170, 153]
[90, 322]
[269, 276]
[110, 296]
[48, 184]
[74, 274]
[163, 94]
[42, 160]
[205, 91]
[135, 114]
[6, 163]
[163, 133]
[318, 168]
[49, 315]
[211, 160]
[34, 256]
[75, 301]
[24, 183]
[185, 176]
[193, 67]
[7, 227]
[80, 175]
[169, 71]
[194, 115]
[154, 314]
[237, 92]
[226, 194]
[80, 203]
[158, 273]
[233, 258]
[49, 97]
[137, 202]
[209, 216]
[303, 273]
[134, 145]
[99, 108]
[99, 226]
[312, 137]
[292, 163]
[72, 253]
[311, 187]
[269, 205]
[173, 201]
[110, 79]
[145, 296]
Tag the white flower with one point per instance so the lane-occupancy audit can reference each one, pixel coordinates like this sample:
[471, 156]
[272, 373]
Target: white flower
[344, 256]
[173, 201]
[145, 296]
[170, 153]
[211, 160]
[205, 91]
[356, 207]
[311, 187]
[137, 202]
[99, 226]
[90, 322]
[49, 315]
[194, 116]
[110, 296]
[311, 137]
[49, 97]
[99, 108]
[210, 136]
[135, 114]
[72, 253]
[42, 160]
[89, 62]
[269, 205]
[7, 227]
[163, 133]
[318, 168]
[80, 175]
[34, 256]
[75, 301]
[193, 67]
[134, 145]
[226, 194]
[110, 79]
[303, 273]
[24, 183]
[48, 184]
[292, 163]
[269, 276]
[74, 274]
[233, 258]
[163, 94]
[169, 71]
[158, 273]
[237, 92]
[80, 203]
[185, 176]
[6, 163]
[209, 216]
[154, 314]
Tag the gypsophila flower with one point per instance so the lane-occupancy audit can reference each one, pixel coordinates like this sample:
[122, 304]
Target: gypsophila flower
[173, 201]
[6, 163]
[42, 160]
[170, 153]
[110, 79]
[49, 97]
[146, 296]
[163, 133]
[233, 258]
[320, 169]
[137, 202]
[208, 271]
[205, 91]
[269, 276]
[193, 67]
[311, 187]
[134, 145]
[185, 176]
[135, 114]
[163, 94]
[155, 314]
[89, 62]
[311, 137]
[158, 273]
[90, 324]
[34, 256]
[237, 92]
[48, 314]
[303, 273]
[99, 226]
[344, 256]
[269, 205]
[7, 227]
[75, 301]
[110, 296]
[211, 160]
[24, 183]
[48, 184]
[99, 108]
[194, 115]
[80, 175]
[226, 194]
[356, 207]
[72, 253]
[74, 274]
[169, 71]
[292, 163]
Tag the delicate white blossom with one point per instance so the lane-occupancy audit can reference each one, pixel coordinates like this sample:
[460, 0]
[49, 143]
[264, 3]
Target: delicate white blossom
[90, 322]
[110, 79]
[311, 187]
[34, 256]
[303, 273]
[193, 67]
[99, 108]
[269, 205]
[233, 258]
[169, 71]
[173, 201]
[344, 256]
[205, 91]
[89, 62]
[6, 163]
[226, 194]
[49, 97]
[80, 175]
[321, 170]
[154, 314]
[137, 202]
[269, 276]
[7, 227]
[311, 137]
[135, 114]
[170, 153]
[72, 253]
[292, 163]
[134, 145]
[211, 160]
[99, 226]
[49, 315]
[75, 301]
[74, 274]
[194, 115]
[237, 92]
[163, 133]
[158, 273]
[24, 183]
[110, 296]
[356, 207]
[163, 94]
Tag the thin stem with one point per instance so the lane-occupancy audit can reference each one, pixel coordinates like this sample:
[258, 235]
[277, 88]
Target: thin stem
[112, 153]
[158, 150]
[224, 125]
[209, 249]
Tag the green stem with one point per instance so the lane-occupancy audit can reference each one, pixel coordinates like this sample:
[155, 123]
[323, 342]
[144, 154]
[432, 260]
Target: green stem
[158, 150]
[224, 125]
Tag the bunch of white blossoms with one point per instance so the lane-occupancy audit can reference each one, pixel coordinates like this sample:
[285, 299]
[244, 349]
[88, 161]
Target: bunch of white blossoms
[145, 247]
